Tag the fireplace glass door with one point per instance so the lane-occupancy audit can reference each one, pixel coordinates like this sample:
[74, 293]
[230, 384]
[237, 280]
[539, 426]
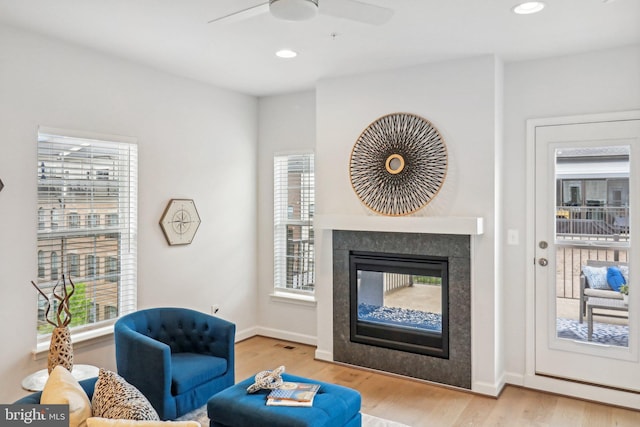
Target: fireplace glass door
[399, 302]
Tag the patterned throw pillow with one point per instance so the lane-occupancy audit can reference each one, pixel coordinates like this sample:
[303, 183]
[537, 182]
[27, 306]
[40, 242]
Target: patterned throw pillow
[113, 397]
[597, 277]
[624, 269]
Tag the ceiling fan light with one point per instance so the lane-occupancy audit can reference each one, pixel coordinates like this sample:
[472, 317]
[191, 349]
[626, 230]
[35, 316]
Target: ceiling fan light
[528, 7]
[293, 10]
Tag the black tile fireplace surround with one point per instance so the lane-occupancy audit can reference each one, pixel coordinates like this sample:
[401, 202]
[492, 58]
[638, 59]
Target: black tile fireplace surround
[454, 370]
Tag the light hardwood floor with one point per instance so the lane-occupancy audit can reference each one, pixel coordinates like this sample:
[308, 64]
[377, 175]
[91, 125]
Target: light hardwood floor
[416, 403]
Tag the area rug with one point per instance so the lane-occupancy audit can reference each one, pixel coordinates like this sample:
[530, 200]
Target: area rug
[200, 415]
[603, 333]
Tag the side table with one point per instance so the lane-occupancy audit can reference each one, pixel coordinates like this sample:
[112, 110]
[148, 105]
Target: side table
[605, 304]
[37, 380]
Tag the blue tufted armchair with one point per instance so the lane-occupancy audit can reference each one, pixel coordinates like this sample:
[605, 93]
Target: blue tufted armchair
[178, 358]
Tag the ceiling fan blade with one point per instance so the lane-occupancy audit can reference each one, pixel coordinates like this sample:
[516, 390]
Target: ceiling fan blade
[243, 14]
[356, 11]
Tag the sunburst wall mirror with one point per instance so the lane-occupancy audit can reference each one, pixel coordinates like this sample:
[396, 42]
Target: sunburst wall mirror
[398, 164]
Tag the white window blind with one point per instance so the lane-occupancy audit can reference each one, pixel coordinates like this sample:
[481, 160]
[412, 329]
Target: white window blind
[294, 204]
[87, 226]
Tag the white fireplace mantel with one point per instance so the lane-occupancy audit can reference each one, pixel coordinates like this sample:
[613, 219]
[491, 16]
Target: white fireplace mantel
[472, 226]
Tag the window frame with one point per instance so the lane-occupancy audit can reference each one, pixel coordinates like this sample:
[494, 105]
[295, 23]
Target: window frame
[285, 218]
[125, 195]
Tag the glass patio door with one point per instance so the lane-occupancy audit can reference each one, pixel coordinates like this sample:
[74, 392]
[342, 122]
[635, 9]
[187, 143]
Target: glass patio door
[586, 183]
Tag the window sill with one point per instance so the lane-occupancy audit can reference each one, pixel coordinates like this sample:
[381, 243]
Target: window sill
[291, 298]
[78, 340]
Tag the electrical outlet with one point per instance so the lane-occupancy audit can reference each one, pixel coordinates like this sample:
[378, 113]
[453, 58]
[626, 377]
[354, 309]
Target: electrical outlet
[215, 308]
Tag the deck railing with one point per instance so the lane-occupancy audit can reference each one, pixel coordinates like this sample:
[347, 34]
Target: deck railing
[393, 281]
[587, 233]
[569, 262]
[592, 220]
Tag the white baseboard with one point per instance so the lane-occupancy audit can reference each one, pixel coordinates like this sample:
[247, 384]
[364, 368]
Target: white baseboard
[514, 379]
[246, 333]
[327, 356]
[286, 335]
[488, 389]
[583, 391]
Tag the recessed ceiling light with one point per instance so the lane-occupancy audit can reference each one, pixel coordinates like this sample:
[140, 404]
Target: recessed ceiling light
[528, 7]
[286, 53]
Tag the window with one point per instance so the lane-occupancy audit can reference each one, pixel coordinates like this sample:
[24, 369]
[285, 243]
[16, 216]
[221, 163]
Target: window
[112, 219]
[111, 269]
[41, 263]
[90, 264]
[55, 217]
[73, 261]
[41, 219]
[93, 220]
[54, 266]
[74, 220]
[294, 198]
[83, 177]
[110, 312]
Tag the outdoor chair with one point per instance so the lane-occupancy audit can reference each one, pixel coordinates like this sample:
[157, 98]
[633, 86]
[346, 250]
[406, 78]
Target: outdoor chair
[588, 289]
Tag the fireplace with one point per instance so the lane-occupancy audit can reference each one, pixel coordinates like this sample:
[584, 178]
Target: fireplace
[442, 357]
[399, 302]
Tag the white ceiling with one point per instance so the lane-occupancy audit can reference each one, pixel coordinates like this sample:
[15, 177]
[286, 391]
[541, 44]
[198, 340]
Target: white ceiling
[174, 35]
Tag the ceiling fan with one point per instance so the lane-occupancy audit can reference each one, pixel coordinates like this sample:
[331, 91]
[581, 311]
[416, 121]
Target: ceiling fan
[300, 10]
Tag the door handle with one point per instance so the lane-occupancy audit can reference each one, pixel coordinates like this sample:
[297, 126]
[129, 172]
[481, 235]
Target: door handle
[543, 262]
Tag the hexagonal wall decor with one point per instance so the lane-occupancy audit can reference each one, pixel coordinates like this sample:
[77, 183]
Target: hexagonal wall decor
[180, 221]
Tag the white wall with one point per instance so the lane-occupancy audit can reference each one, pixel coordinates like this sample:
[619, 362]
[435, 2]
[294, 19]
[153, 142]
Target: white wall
[459, 98]
[195, 141]
[596, 82]
[287, 124]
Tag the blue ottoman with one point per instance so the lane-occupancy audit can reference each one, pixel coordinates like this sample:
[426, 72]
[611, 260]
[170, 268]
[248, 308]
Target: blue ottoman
[333, 406]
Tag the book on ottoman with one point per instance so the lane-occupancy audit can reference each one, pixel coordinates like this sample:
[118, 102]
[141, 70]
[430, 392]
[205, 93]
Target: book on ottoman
[293, 394]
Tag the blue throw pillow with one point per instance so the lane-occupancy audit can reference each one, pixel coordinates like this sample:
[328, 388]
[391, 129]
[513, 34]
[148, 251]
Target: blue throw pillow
[597, 277]
[615, 279]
